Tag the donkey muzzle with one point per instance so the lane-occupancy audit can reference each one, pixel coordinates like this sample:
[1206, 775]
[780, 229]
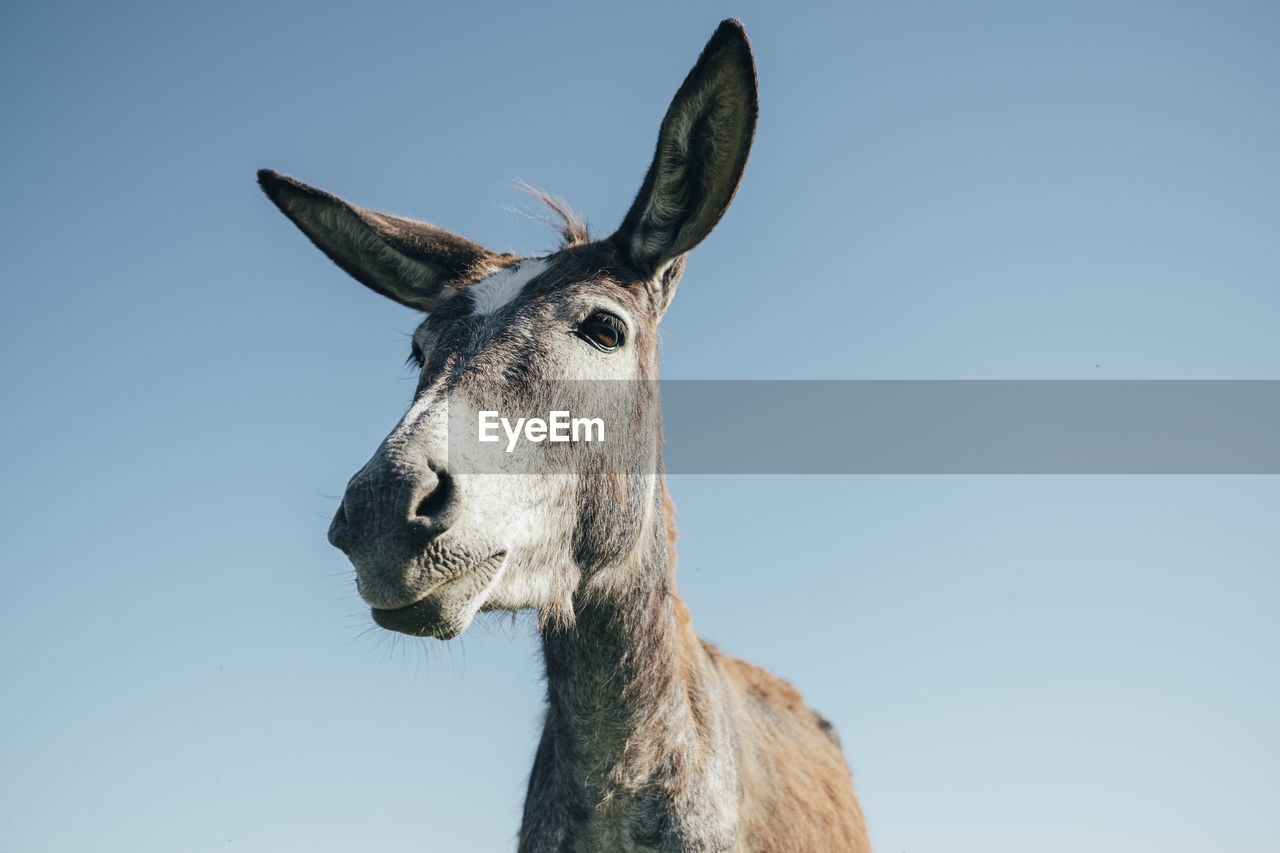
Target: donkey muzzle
[387, 520]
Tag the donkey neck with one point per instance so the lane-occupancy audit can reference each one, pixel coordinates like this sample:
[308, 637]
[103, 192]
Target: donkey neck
[628, 681]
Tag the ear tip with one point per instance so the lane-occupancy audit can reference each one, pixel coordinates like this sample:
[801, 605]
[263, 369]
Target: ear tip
[729, 47]
[730, 31]
[284, 191]
[271, 182]
[731, 26]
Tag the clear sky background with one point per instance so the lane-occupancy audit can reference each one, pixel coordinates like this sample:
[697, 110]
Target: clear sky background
[937, 190]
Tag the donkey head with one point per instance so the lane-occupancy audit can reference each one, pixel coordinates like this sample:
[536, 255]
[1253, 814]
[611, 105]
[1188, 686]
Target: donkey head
[434, 540]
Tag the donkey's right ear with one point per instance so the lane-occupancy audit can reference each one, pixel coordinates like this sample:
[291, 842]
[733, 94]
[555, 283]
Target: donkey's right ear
[416, 264]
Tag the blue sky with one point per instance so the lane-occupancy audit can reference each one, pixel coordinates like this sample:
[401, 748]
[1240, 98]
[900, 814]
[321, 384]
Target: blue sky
[1003, 190]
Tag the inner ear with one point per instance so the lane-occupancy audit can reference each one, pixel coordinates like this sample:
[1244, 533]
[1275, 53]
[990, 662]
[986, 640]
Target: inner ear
[701, 153]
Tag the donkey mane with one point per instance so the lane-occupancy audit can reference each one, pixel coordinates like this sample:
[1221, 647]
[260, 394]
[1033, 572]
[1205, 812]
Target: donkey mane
[560, 215]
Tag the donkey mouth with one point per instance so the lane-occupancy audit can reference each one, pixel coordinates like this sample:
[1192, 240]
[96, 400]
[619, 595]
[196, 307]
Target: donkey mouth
[448, 608]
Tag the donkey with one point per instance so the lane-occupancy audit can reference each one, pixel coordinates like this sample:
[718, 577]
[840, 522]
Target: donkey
[654, 739]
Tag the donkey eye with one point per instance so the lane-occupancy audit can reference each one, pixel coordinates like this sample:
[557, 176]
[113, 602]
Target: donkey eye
[602, 331]
[416, 357]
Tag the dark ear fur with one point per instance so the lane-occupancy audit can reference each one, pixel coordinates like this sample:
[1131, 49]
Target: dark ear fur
[416, 264]
[702, 150]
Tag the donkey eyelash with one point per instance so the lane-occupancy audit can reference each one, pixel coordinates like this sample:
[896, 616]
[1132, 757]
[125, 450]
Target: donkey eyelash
[590, 328]
[416, 358]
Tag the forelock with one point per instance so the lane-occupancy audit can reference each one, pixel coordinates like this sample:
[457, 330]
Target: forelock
[560, 216]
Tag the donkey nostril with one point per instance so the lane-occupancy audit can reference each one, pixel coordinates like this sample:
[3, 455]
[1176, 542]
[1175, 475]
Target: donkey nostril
[437, 500]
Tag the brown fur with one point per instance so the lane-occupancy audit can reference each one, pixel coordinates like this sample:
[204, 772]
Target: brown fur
[794, 768]
[654, 739]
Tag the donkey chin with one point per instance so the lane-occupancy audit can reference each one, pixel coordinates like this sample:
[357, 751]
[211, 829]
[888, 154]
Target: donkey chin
[431, 589]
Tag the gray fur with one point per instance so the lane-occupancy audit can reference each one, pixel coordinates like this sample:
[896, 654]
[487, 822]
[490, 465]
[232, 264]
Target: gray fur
[653, 739]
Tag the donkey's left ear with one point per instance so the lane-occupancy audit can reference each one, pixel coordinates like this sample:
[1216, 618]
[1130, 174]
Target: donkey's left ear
[702, 150]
